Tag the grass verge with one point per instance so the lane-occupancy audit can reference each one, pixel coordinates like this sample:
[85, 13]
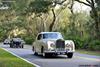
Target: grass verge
[9, 60]
[97, 53]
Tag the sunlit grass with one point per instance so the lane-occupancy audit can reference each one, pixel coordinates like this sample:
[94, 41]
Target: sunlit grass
[97, 53]
[8, 60]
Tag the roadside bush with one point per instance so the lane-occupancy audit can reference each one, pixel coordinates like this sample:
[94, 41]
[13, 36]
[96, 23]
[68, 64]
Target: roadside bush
[94, 45]
[78, 43]
[29, 40]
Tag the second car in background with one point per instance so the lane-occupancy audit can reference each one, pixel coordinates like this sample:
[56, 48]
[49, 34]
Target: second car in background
[17, 43]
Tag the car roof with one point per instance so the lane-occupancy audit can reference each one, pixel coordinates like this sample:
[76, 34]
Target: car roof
[49, 32]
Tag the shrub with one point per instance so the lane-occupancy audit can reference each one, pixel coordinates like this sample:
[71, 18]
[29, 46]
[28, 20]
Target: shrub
[29, 39]
[79, 43]
[77, 40]
[94, 45]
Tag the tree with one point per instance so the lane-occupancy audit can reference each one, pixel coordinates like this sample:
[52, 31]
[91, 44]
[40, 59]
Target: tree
[94, 13]
[43, 6]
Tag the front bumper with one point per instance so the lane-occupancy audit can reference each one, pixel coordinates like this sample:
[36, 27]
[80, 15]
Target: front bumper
[58, 52]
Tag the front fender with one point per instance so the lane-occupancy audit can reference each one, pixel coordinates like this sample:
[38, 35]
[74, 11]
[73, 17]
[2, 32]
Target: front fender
[71, 44]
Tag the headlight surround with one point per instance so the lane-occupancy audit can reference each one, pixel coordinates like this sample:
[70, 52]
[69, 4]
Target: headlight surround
[69, 45]
[51, 44]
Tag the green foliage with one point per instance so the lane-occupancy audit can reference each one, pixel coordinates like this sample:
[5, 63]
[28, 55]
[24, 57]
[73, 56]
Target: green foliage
[84, 43]
[20, 6]
[79, 43]
[94, 45]
[78, 27]
[29, 39]
[40, 6]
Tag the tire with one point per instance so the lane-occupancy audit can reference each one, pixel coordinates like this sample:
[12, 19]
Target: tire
[69, 55]
[46, 55]
[35, 53]
[10, 46]
[16, 46]
[22, 46]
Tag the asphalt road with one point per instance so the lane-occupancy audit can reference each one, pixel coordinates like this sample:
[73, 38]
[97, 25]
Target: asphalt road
[78, 60]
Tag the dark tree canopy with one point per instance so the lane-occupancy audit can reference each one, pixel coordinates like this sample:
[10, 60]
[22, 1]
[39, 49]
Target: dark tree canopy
[40, 6]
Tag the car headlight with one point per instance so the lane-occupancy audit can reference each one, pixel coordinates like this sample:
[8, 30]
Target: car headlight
[69, 45]
[51, 44]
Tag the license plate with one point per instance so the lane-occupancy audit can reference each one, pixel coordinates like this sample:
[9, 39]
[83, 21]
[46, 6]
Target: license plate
[60, 49]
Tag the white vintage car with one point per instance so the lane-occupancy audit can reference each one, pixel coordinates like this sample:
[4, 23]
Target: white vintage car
[52, 43]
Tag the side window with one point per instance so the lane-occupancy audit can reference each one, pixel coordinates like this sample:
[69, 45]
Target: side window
[39, 37]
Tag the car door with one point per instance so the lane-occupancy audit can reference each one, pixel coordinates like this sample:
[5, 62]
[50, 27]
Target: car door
[38, 43]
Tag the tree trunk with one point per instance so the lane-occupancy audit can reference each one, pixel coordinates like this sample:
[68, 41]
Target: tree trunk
[96, 19]
[53, 22]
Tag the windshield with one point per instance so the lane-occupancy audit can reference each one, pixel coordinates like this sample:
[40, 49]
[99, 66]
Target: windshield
[52, 36]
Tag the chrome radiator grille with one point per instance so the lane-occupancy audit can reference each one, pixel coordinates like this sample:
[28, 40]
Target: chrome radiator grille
[60, 44]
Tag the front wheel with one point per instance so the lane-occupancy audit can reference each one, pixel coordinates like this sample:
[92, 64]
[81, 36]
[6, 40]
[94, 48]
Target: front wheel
[33, 49]
[22, 46]
[43, 53]
[70, 55]
[46, 55]
[10, 46]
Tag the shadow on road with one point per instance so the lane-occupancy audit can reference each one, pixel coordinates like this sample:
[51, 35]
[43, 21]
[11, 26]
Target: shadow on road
[41, 57]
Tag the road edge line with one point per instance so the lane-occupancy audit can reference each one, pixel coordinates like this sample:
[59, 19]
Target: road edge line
[21, 58]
